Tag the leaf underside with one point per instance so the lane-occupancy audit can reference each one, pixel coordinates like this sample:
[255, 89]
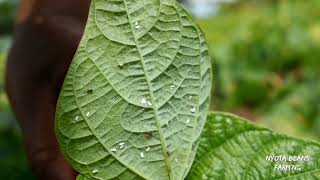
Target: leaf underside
[136, 95]
[232, 148]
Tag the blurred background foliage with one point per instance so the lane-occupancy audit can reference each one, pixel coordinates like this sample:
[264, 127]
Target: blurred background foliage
[265, 59]
[13, 162]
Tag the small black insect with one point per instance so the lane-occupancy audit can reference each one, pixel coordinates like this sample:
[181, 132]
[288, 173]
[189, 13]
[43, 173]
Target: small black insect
[120, 66]
[148, 135]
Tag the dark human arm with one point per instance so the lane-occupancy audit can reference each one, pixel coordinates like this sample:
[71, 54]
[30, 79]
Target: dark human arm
[46, 36]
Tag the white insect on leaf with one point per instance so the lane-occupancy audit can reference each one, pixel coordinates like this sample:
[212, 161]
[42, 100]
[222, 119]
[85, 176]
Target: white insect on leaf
[88, 114]
[142, 154]
[77, 118]
[121, 145]
[187, 121]
[148, 149]
[143, 101]
[136, 25]
[113, 149]
[190, 97]
[193, 109]
[95, 171]
[172, 87]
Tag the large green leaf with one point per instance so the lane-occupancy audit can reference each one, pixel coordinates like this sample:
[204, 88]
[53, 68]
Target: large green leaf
[136, 95]
[232, 148]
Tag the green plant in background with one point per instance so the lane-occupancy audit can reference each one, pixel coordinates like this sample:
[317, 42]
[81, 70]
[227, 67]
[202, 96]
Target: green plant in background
[7, 11]
[267, 58]
[13, 163]
[7, 14]
[4, 105]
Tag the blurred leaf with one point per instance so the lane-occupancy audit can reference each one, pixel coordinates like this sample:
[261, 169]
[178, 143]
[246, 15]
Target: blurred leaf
[264, 51]
[8, 10]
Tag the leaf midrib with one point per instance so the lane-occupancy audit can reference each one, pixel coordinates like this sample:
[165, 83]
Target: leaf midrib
[162, 140]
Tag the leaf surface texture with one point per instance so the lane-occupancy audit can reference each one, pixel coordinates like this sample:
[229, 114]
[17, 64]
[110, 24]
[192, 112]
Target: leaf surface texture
[136, 95]
[232, 148]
